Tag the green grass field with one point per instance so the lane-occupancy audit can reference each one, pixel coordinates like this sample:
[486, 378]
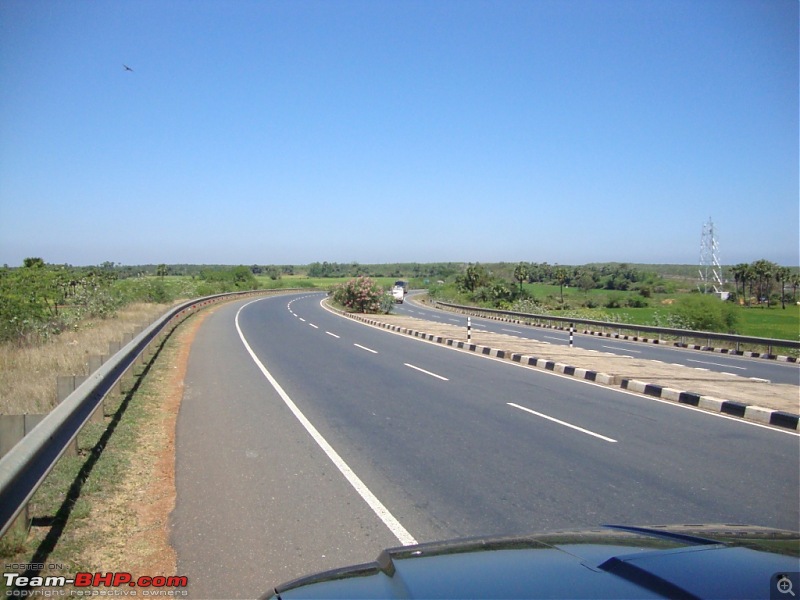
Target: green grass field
[758, 321]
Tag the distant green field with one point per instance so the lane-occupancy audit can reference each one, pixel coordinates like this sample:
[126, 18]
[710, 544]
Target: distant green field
[301, 281]
[757, 321]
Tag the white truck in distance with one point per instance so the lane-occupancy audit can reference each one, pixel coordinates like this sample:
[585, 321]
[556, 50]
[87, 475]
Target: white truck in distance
[399, 294]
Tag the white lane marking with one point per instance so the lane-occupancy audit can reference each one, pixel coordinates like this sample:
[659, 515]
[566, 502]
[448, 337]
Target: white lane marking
[549, 337]
[314, 326]
[365, 348]
[511, 330]
[623, 349]
[376, 505]
[332, 334]
[669, 403]
[564, 423]
[427, 372]
[702, 362]
[454, 320]
[302, 319]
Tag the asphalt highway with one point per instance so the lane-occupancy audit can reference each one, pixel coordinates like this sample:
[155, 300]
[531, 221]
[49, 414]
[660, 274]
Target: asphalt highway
[758, 368]
[307, 441]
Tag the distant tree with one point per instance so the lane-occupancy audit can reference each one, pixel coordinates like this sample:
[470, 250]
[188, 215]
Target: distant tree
[586, 281]
[162, 271]
[783, 275]
[794, 280]
[475, 276]
[561, 277]
[521, 273]
[740, 275]
[764, 271]
[33, 263]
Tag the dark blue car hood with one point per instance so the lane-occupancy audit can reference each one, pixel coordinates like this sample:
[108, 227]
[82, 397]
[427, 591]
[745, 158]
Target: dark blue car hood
[615, 562]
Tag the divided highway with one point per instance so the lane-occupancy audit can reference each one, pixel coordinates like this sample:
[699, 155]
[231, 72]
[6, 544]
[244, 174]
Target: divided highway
[757, 368]
[308, 441]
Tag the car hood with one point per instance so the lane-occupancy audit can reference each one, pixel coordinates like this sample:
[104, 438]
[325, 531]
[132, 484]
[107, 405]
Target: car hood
[709, 561]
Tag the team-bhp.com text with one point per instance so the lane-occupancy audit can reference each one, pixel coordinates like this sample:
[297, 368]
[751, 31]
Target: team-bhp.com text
[86, 584]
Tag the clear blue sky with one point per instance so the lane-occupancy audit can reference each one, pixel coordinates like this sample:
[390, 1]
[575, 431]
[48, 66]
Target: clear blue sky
[288, 132]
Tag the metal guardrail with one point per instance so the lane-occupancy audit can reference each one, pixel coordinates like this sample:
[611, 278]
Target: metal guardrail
[30, 461]
[680, 334]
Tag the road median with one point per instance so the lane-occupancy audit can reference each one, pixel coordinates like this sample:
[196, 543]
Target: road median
[752, 399]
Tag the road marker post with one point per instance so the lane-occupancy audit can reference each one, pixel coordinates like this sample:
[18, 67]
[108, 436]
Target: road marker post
[469, 329]
[571, 330]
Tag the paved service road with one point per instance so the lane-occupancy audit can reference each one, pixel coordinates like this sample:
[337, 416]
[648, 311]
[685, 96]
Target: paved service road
[447, 443]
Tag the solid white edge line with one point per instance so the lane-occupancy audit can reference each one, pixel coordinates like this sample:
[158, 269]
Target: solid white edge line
[372, 501]
[515, 365]
[427, 372]
[564, 423]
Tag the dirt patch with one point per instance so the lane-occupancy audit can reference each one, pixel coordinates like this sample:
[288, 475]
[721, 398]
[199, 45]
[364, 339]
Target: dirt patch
[131, 526]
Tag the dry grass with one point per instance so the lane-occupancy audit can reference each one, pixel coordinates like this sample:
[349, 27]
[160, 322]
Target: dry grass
[28, 374]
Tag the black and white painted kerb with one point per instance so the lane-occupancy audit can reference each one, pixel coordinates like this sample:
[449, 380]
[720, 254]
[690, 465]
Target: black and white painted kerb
[736, 409]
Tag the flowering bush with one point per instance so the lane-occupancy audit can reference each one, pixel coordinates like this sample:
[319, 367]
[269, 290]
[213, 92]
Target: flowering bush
[363, 295]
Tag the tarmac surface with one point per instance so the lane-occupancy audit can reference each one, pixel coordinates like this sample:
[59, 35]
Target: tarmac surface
[616, 369]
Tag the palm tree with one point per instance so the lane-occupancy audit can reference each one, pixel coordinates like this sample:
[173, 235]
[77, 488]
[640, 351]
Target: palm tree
[765, 273]
[521, 273]
[561, 276]
[795, 283]
[782, 274]
[740, 276]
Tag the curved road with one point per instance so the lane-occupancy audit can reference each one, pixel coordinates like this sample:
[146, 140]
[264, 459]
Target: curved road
[757, 368]
[430, 443]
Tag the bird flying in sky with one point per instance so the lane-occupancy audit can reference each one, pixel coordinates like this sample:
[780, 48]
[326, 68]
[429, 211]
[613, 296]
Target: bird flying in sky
[127, 68]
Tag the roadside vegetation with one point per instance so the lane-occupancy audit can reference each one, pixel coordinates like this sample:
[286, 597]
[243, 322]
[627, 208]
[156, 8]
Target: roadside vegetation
[762, 299]
[53, 316]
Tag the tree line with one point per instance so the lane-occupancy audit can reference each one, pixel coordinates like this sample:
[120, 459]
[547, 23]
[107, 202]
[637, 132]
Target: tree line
[758, 278]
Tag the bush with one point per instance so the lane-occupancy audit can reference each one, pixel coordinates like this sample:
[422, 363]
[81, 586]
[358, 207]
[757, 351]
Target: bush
[363, 295]
[706, 313]
[636, 302]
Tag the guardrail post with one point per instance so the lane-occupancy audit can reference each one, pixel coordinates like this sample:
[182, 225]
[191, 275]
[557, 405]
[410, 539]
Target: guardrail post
[12, 430]
[94, 362]
[65, 385]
